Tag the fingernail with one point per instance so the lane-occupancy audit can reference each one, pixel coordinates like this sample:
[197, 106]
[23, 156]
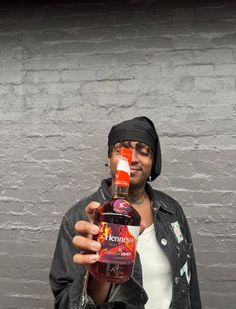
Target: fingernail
[94, 258]
[95, 246]
[95, 229]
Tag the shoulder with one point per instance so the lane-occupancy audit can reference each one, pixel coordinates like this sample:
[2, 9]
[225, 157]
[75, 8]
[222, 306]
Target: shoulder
[168, 203]
[166, 200]
[173, 211]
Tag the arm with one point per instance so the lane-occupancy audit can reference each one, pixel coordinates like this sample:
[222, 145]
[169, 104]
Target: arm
[98, 290]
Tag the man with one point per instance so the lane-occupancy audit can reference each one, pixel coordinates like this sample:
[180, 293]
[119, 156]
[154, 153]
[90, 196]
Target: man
[165, 273]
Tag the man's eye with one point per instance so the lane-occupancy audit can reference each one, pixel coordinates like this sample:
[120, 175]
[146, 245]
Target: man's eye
[142, 151]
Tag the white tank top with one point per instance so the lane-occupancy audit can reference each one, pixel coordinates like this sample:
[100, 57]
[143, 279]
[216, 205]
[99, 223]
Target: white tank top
[156, 271]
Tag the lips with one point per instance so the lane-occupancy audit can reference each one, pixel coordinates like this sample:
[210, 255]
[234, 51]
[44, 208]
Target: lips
[134, 170]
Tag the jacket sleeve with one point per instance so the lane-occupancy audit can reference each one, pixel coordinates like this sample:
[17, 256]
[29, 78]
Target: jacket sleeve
[67, 279]
[195, 297]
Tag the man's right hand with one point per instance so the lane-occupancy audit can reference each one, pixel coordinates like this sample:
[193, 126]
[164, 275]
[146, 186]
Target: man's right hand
[88, 247]
[97, 289]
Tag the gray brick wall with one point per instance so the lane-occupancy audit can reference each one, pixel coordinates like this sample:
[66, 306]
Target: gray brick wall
[68, 71]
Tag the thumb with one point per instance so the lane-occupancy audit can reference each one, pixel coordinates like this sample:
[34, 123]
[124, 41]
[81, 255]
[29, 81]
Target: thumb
[90, 210]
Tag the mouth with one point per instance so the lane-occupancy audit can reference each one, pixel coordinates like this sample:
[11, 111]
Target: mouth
[135, 170]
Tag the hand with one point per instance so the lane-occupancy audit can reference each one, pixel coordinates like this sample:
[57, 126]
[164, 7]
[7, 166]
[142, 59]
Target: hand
[84, 241]
[97, 289]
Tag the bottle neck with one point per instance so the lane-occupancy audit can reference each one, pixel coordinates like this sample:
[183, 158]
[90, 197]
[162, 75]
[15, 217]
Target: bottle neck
[120, 192]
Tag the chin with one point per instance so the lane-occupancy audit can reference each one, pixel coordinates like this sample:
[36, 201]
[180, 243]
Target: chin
[136, 183]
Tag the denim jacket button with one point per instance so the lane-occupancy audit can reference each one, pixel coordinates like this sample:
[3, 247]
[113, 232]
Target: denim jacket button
[176, 280]
[164, 241]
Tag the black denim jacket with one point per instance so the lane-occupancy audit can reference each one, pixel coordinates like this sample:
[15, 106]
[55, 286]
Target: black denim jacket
[69, 281]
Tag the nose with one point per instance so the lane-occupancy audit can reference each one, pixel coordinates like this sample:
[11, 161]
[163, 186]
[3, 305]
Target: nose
[134, 156]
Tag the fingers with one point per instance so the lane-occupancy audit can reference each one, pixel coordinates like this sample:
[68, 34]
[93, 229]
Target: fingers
[85, 227]
[86, 244]
[85, 259]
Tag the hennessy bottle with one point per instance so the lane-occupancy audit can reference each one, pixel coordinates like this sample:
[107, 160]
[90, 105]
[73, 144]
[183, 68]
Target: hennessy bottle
[119, 226]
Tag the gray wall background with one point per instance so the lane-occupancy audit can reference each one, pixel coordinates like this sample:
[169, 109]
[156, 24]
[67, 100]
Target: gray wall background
[68, 71]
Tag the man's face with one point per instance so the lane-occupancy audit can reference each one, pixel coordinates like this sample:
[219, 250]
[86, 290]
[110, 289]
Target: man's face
[141, 164]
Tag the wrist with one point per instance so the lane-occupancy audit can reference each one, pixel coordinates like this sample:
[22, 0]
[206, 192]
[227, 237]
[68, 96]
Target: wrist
[98, 290]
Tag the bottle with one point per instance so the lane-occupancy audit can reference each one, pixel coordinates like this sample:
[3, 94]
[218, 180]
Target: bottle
[119, 226]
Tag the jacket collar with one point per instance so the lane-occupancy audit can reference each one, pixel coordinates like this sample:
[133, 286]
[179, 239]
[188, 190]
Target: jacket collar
[156, 197]
[158, 201]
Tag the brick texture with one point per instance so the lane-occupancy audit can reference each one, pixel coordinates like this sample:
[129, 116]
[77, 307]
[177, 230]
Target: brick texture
[69, 70]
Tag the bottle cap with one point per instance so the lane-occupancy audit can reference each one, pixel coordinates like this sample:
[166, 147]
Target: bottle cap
[126, 153]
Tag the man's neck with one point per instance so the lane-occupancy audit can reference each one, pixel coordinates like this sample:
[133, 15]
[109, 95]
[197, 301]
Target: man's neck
[140, 200]
[137, 195]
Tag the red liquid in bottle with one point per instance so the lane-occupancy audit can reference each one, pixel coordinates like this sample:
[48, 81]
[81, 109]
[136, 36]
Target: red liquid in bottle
[119, 226]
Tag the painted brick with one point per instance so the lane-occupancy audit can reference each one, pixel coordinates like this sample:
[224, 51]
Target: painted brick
[64, 89]
[47, 62]
[43, 76]
[195, 70]
[159, 43]
[78, 75]
[100, 86]
[225, 70]
[213, 56]
[13, 75]
[213, 27]
[191, 42]
[215, 84]
[225, 40]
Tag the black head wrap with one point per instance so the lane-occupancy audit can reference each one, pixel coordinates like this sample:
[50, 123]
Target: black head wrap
[139, 129]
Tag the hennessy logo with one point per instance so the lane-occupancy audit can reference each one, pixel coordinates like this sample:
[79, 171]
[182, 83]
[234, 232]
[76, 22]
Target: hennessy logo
[119, 239]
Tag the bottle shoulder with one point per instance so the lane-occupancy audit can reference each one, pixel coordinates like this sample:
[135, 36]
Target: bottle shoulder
[118, 210]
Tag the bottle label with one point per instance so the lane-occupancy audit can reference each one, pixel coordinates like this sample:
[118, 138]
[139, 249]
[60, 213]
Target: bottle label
[118, 243]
